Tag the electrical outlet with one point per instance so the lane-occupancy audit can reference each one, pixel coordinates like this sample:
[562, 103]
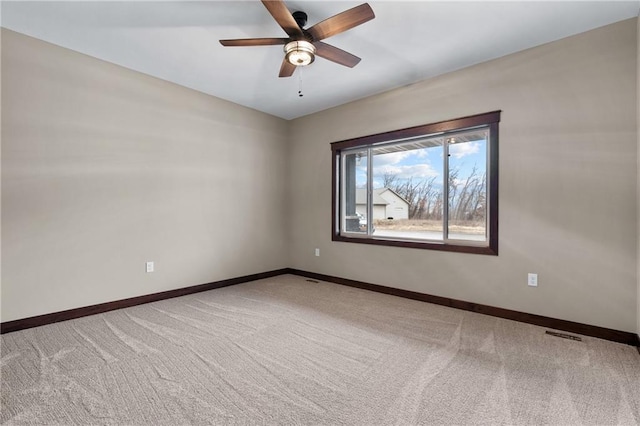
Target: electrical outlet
[317, 252]
[532, 280]
[149, 266]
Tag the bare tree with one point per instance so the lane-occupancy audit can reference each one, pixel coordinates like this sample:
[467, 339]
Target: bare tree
[426, 193]
[390, 180]
[467, 198]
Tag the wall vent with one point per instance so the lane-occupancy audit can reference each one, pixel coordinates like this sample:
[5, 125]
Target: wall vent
[564, 336]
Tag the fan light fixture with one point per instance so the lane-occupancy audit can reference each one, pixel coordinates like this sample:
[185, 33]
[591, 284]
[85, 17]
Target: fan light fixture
[300, 53]
[303, 44]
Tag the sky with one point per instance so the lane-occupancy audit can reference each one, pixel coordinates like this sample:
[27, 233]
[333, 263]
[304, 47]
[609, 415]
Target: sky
[425, 163]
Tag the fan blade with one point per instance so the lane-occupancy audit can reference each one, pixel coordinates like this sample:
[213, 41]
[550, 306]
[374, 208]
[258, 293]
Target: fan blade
[284, 18]
[254, 41]
[341, 22]
[286, 69]
[336, 55]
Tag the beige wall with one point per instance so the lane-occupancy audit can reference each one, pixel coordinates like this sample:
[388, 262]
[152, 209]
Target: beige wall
[568, 164]
[638, 170]
[0, 175]
[104, 168]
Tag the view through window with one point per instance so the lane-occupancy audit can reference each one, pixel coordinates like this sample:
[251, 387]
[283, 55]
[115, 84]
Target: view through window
[420, 187]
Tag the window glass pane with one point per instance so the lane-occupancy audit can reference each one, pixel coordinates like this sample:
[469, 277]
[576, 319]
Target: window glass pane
[354, 191]
[468, 185]
[407, 190]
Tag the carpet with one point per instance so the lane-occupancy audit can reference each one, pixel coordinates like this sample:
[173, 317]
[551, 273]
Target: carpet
[288, 351]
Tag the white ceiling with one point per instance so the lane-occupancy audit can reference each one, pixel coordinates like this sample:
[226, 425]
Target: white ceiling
[408, 41]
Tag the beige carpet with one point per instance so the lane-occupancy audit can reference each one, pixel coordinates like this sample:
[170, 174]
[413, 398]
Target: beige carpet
[288, 351]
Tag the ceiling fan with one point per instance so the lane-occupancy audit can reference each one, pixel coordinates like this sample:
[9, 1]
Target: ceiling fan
[302, 45]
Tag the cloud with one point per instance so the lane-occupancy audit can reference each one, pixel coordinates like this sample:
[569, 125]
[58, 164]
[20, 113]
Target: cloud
[398, 164]
[459, 150]
[391, 158]
[417, 171]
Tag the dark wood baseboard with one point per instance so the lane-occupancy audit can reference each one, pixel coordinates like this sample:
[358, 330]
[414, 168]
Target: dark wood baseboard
[557, 324]
[21, 324]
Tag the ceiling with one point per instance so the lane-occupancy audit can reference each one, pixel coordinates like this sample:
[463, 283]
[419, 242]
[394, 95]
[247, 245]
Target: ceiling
[408, 41]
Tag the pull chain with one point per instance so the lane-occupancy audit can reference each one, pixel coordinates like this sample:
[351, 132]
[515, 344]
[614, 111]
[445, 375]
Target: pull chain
[300, 94]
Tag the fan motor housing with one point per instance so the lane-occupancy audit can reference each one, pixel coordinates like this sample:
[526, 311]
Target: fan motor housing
[301, 18]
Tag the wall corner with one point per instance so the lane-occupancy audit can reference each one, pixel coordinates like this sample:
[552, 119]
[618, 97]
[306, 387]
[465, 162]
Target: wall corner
[638, 172]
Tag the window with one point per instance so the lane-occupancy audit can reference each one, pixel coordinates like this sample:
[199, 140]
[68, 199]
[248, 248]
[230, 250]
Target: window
[433, 186]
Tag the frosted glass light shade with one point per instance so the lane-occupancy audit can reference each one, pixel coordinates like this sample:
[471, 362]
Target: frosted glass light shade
[300, 53]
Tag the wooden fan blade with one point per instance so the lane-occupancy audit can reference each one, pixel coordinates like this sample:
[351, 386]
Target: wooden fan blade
[286, 69]
[254, 41]
[336, 55]
[284, 18]
[341, 22]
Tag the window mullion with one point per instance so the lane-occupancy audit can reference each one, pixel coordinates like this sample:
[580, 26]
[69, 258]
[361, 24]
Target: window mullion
[369, 192]
[487, 208]
[342, 192]
[445, 190]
